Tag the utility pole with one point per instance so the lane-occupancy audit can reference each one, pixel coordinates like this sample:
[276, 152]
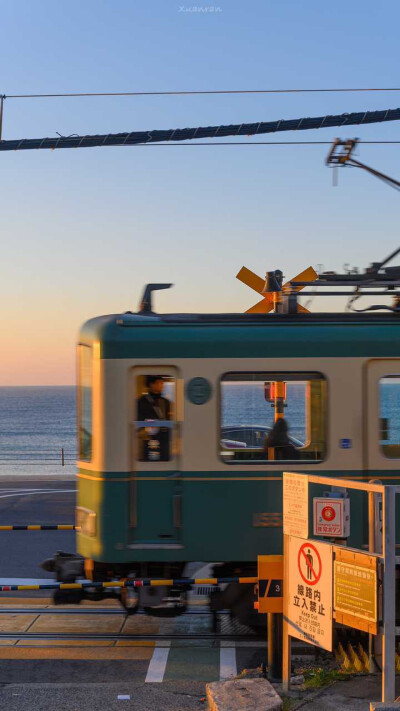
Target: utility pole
[2, 97]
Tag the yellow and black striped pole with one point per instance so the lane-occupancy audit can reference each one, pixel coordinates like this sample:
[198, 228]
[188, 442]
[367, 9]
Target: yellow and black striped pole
[144, 582]
[44, 527]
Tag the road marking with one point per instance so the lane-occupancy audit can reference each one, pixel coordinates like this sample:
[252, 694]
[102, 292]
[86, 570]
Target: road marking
[36, 492]
[30, 488]
[227, 661]
[158, 664]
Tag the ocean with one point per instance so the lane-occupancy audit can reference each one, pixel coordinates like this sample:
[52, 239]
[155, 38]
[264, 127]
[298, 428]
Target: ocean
[37, 422]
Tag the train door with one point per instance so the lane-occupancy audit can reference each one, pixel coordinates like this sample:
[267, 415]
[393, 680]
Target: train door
[156, 496]
[382, 417]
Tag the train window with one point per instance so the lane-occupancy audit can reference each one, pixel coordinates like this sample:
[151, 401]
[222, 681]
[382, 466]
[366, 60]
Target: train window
[155, 416]
[389, 416]
[85, 389]
[267, 417]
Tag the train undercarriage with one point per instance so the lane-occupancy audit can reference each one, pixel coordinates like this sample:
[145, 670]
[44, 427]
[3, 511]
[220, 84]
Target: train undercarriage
[160, 600]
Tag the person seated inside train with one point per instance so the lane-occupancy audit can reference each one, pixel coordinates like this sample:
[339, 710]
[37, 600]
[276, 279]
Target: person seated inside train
[278, 440]
[154, 441]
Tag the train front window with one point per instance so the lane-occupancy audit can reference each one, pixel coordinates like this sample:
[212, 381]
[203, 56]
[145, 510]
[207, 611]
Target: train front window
[85, 390]
[269, 417]
[389, 416]
[155, 415]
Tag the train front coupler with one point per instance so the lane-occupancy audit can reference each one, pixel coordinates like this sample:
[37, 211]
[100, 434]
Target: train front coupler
[70, 568]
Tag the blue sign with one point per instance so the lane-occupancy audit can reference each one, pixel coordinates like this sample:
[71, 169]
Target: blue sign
[345, 443]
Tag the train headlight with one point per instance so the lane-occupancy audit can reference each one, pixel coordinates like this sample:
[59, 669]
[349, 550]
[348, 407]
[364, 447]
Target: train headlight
[86, 521]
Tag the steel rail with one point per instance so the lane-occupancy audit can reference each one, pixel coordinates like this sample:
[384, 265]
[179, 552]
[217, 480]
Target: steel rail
[133, 637]
[101, 611]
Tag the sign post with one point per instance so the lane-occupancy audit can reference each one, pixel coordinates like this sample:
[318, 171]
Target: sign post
[295, 523]
[308, 607]
[270, 601]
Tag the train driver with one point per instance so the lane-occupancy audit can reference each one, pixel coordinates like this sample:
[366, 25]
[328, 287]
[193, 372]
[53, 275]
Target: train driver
[278, 444]
[154, 441]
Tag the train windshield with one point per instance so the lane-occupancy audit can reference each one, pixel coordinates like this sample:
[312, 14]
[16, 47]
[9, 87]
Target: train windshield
[267, 417]
[389, 405]
[85, 388]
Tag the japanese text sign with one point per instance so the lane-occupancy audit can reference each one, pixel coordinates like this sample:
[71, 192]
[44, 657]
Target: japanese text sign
[309, 592]
[295, 505]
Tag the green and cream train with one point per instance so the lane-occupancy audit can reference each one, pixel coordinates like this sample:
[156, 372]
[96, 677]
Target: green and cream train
[215, 492]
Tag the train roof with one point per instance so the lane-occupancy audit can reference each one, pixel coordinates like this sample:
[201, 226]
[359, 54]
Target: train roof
[136, 335]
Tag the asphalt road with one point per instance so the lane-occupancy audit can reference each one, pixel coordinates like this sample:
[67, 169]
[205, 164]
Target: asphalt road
[104, 697]
[34, 501]
[91, 675]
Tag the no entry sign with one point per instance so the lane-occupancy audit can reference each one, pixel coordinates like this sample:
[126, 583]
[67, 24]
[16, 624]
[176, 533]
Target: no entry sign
[309, 603]
[309, 563]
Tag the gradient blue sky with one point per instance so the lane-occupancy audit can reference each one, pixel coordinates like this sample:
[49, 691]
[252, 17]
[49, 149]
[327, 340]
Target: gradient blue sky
[83, 230]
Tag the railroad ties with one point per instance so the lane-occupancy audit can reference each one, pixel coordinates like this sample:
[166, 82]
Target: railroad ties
[160, 649]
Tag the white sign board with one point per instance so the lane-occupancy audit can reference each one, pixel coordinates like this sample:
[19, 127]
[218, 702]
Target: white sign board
[331, 517]
[295, 505]
[308, 592]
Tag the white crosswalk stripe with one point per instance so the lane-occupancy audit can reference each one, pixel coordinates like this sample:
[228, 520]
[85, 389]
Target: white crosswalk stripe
[158, 663]
[227, 661]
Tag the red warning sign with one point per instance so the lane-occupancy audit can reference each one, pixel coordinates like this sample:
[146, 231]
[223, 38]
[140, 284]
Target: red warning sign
[308, 591]
[328, 513]
[331, 517]
[309, 563]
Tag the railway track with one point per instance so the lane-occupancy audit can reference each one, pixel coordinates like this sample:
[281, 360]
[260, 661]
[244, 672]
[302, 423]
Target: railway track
[94, 611]
[229, 630]
[133, 637]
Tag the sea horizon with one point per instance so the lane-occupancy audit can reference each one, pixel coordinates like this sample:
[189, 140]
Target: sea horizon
[37, 422]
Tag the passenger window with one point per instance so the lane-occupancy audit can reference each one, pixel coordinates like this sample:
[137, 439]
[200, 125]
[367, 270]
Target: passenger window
[269, 417]
[85, 374]
[389, 416]
[155, 416]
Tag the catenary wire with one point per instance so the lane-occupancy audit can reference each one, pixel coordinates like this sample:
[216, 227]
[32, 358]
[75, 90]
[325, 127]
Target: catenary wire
[262, 143]
[196, 93]
[199, 132]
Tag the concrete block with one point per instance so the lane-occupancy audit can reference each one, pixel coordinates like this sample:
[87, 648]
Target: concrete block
[381, 706]
[243, 695]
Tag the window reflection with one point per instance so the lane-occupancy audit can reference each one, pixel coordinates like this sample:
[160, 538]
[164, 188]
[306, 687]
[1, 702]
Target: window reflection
[272, 416]
[85, 391]
[389, 416]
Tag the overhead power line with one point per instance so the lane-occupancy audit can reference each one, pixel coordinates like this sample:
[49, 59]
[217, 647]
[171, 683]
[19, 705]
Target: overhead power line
[184, 134]
[194, 93]
[182, 144]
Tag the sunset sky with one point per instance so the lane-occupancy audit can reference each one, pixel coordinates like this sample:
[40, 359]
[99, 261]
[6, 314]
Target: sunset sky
[83, 230]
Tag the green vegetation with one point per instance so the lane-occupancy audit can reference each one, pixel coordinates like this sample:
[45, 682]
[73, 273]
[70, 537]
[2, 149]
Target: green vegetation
[316, 677]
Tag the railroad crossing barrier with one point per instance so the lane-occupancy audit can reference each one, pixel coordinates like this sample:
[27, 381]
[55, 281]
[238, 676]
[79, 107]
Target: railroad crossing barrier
[44, 527]
[130, 583]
